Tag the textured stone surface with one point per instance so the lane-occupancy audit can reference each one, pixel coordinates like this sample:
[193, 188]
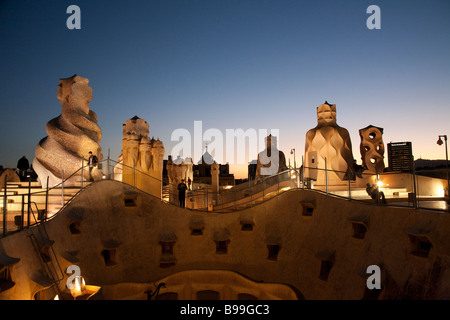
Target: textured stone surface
[328, 140]
[372, 148]
[176, 170]
[271, 160]
[135, 233]
[141, 160]
[70, 136]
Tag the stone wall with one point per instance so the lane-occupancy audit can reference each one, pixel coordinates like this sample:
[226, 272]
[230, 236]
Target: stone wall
[319, 245]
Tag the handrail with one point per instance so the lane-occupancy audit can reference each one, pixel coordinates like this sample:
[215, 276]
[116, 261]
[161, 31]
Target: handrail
[241, 195]
[43, 232]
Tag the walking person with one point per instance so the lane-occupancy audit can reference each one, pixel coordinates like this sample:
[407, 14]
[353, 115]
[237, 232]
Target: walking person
[92, 162]
[182, 193]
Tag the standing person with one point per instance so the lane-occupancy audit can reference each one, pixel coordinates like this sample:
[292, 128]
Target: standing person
[23, 166]
[182, 193]
[93, 160]
[189, 183]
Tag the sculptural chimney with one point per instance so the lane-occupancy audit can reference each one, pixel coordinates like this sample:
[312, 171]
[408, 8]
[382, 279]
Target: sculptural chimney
[70, 136]
[141, 160]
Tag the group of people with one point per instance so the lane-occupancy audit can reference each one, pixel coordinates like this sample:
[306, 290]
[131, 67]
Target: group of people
[24, 169]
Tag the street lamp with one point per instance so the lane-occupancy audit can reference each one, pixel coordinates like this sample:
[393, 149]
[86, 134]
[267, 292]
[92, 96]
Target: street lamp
[439, 142]
[293, 152]
[295, 169]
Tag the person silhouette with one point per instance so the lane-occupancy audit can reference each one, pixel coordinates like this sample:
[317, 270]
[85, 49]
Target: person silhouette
[23, 166]
[375, 193]
[182, 193]
[92, 162]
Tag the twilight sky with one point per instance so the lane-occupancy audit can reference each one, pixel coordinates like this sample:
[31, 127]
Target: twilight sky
[230, 64]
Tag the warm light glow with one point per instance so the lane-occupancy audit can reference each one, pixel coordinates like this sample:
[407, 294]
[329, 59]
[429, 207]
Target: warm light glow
[56, 297]
[80, 287]
[379, 183]
[228, 187]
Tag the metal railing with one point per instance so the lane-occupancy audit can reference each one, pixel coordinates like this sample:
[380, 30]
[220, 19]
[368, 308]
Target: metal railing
[418, 189]
[425, 189]
[20, 218]
[237, 197]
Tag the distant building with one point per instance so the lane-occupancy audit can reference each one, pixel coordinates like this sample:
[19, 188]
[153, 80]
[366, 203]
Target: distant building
[400, 156]
[202, 171]
[431, 168]
[252, 169]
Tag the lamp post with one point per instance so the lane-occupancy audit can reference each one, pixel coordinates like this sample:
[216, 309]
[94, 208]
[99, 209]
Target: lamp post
[293, 152]
[295, 169]
[439, 142]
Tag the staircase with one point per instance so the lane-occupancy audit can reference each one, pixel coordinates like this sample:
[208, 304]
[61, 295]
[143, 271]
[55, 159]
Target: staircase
[50, 273]
[165, 193]
[42, 205]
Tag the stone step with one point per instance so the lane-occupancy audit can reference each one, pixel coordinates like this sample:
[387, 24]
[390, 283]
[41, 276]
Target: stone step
[39, 189]
[23, 184]
[11, 207]
[37, 197]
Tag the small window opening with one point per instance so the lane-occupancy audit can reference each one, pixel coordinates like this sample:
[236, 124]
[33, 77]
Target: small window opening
[222, 246]
[74, 227]
[166, 247]
[45, 253]
[274, 249]
[325, 269]
[197, 231]
[5, 278]
[166, 264]
[246, 226]
[421, 245]
[109, 256]
[308, 209]
[208, 295]
[359, 230]
[130, 201]
[167, 258]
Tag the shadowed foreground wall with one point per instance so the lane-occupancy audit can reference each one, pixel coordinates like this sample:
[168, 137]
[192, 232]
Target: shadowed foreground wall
[303, 239]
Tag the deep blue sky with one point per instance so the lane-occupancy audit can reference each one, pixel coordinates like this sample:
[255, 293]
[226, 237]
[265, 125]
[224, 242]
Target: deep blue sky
[232, 64]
